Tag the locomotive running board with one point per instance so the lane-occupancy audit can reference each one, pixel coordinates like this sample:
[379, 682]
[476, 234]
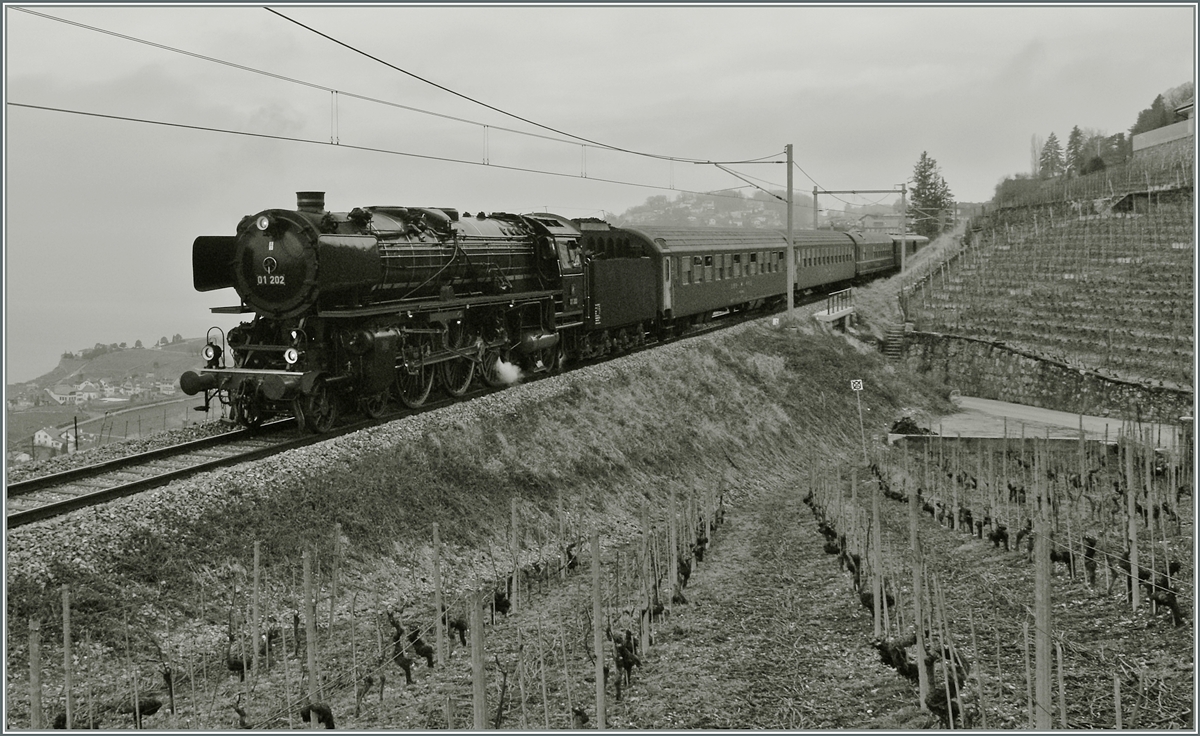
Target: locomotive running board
[439, 306]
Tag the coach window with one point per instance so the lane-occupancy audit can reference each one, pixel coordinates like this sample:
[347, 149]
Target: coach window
[708, 266]
[753, 264]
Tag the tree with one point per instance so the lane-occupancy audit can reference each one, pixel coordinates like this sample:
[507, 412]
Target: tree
[1117, 149]
[176, 338]
[1073, 158]
[1035, 155]
[1176, 96]
[931, 196]
[1153, 117]
[137, 343]
[163, 341]
[1092, 165]
[1050, 162]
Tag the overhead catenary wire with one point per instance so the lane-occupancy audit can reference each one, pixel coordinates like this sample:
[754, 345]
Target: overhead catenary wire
[493, 107]
[335, 93]
[370, 149]
[293, 80]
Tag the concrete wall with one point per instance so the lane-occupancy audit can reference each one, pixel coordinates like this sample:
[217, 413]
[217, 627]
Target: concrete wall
[1166, 134]
[991, 370]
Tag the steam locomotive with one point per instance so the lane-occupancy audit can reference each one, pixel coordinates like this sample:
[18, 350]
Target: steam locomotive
[354, 309]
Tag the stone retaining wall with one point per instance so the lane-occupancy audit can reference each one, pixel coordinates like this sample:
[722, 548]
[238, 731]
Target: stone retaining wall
[992, 370]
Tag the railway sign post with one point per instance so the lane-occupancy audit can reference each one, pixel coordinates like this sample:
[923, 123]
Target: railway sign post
[856, 385]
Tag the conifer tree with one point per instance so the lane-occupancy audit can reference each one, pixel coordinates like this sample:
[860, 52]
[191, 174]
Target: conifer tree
[1051, 160]
[1074, 158]
[931, 197]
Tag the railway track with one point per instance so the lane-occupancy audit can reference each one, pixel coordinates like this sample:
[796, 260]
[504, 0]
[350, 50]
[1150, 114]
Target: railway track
[48, 496]
[45, 497]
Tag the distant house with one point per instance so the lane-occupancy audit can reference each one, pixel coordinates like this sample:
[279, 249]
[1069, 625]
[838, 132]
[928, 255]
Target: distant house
[46, 438]
[62, 394]
[166, 388]
[891, 224]
[86, 391]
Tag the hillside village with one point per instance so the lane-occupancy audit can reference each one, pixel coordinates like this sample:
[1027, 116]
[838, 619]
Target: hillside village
[91, 386]
[763, 210]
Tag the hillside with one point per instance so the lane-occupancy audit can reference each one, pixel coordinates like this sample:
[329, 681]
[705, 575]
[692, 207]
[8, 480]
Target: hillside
[771, 635]
[164, 361]
[30, 408]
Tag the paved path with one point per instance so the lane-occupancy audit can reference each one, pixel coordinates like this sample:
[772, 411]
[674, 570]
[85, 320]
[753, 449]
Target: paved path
[986, 418]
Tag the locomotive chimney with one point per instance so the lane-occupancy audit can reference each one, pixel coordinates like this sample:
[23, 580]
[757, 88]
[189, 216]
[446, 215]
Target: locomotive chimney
[310, 201]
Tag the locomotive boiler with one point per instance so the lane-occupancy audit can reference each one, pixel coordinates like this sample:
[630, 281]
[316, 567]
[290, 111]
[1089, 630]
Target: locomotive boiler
[351, 308]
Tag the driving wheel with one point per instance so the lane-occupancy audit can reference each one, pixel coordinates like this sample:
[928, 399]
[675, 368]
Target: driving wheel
[318, 409]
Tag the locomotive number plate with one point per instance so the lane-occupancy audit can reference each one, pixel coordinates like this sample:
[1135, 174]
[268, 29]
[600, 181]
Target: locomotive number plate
[271, 280]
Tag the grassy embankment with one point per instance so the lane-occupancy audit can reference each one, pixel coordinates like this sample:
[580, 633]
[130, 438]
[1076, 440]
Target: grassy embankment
[687, 420]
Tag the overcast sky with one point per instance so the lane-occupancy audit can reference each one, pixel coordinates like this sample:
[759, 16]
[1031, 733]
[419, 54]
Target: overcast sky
[101, 213]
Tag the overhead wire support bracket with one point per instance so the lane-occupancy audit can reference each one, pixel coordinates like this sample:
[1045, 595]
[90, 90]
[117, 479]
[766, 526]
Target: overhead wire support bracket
[734, 173]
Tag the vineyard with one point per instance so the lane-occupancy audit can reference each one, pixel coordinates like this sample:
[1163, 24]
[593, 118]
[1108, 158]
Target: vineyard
[1093, 271]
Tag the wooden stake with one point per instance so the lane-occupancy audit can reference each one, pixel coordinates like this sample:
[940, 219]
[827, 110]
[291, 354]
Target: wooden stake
[542, 670]
[1062, 696]
[1041, 608]
[354, 647]
[287, 675]
[437, 596]
[947, 669]
[672, 561]
[1117, 698]
[246, 681]
[978, 671]
[477, 673]
[333, 584]
[310, 632]
[1131, 511]
[562, 536]
[877, 561]
[68, 658]
[915, 546]
[35, 674]
[562, 634]
[192, 684]
[254, 630]
[521, 679]
[598, 632]
[1028, 673]
[137, 710]
[647, 584]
